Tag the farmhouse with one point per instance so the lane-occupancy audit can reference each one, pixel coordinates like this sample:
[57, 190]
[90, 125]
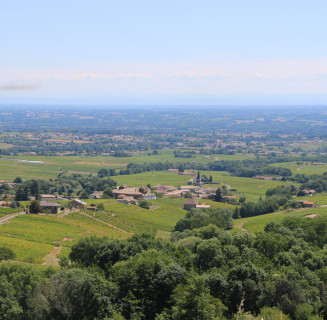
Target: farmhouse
[52, 206]
[144, 190]
[96, 195]
[307, 204]
[126, 200]
[175, 193]
[173, 170]
[309, 192]
[150, 196]
[163, 188]
[76, 203]
[189, 204]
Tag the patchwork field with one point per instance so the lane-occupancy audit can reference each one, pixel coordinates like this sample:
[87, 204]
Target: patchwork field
[53, 165]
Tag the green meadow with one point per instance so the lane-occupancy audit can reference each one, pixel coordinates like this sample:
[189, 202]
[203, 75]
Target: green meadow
[303, 168]
[257, 224]
[252, 189]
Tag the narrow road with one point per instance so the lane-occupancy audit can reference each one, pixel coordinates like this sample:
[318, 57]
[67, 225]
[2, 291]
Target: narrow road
[6, 218]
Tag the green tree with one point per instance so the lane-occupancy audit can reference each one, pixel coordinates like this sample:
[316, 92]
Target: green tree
[35, 189]
[21, 194]
[35, 207]
[219, 195]
[193, 301]
[18, 180]
[144, 204]
[73, 294]
[9, 305]
[107, 193]
[100, 206]
[6, 253]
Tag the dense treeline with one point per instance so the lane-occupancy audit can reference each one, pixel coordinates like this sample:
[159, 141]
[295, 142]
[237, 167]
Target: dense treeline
[206, 273]
[68, 185]
[245, 168]
[196, 218]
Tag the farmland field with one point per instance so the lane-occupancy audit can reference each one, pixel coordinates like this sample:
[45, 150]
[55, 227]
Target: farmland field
[53, 165]
[31, 237]
[257, 224]
[302, 168]
[135, 219]
[5, 211]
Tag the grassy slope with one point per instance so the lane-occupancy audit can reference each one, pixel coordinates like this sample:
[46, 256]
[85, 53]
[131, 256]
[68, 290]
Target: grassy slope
[33, 236]
[257, 224]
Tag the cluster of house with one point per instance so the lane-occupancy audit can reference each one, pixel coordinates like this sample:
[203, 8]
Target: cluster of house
[170, 191]
[54, 207]
[309, 192]
[129, 195]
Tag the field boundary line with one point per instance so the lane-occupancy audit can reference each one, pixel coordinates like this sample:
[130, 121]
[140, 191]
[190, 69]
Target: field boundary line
[109, 224]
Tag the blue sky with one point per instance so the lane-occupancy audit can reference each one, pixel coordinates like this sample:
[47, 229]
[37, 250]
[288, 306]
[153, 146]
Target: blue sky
[157, 52]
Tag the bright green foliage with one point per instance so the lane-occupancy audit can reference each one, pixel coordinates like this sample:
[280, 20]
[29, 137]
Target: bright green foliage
[35, 207]
[193, 301]
[6, 253]
[73, 294]
[9, 305]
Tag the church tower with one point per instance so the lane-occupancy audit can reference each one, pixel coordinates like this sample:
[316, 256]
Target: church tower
[198, 179]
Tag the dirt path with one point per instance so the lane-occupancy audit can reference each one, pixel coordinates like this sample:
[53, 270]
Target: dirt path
[108, 224]
[10, 216]
[311, 215]
[51, 259]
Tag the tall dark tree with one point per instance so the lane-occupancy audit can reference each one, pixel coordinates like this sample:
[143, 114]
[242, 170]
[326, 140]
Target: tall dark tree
[35, 207]
[21, 194]
[219, 195]
[35, 189]
[18, 180]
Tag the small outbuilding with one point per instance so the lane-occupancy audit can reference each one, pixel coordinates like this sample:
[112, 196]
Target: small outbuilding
[189, 204]
[52, 206]
[76, 203]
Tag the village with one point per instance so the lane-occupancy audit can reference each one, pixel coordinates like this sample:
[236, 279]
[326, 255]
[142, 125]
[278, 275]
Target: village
[138, 196]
